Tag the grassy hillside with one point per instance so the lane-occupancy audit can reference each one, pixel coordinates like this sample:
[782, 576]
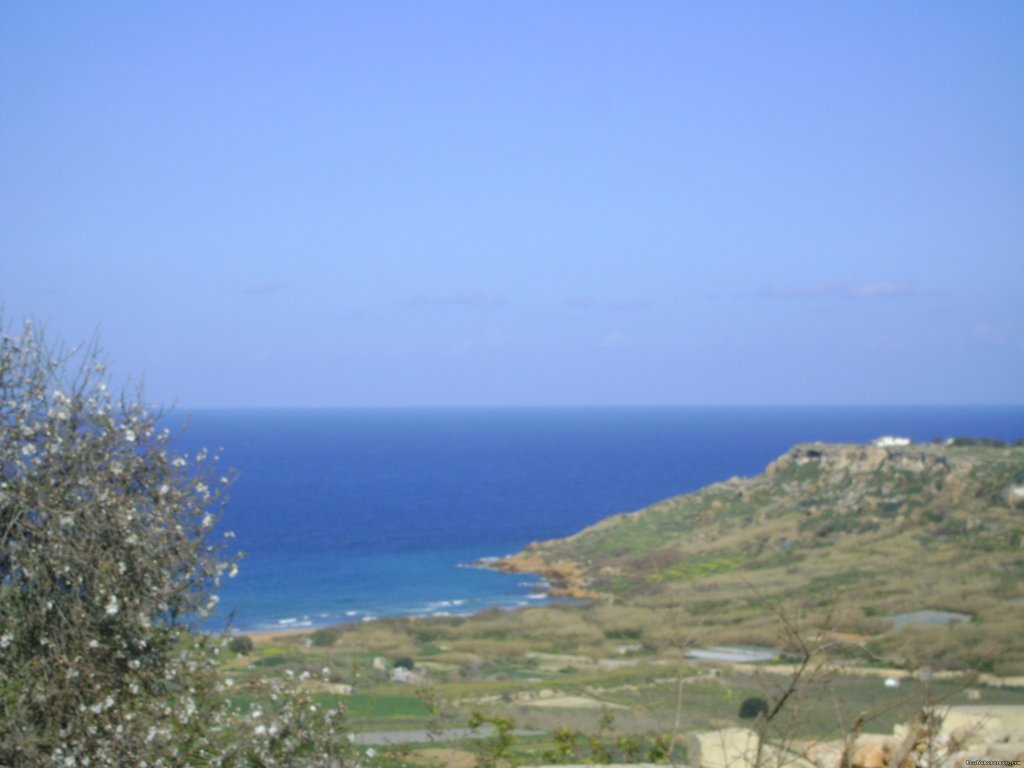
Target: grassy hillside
[863, 530]
[837, 535]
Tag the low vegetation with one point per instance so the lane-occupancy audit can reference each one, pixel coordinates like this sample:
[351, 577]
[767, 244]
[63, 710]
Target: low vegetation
[614, 696]
[885, 530]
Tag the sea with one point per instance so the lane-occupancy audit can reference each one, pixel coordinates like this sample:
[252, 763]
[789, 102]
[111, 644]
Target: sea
[355, 515]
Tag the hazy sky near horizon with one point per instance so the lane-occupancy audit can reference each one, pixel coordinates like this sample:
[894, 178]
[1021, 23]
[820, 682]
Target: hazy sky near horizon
[522, 203]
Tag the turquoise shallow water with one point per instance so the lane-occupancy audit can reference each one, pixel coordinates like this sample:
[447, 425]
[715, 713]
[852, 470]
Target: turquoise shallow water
[348, 515]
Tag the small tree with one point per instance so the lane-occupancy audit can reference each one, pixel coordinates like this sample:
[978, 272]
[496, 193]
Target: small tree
[106, 559]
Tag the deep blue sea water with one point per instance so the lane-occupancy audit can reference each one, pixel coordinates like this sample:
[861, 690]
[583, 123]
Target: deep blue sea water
[354, 514]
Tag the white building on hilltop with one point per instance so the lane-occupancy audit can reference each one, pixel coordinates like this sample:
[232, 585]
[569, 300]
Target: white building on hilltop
[891, 442]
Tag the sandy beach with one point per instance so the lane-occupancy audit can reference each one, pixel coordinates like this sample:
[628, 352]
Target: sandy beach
[266, 636]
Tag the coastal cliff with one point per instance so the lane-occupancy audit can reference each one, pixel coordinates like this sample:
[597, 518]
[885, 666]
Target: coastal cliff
[882, 528]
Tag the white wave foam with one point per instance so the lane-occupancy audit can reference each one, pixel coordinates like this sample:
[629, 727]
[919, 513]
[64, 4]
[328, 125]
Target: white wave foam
[446, 604]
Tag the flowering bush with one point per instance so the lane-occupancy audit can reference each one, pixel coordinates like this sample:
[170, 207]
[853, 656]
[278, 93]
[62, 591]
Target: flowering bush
[107, 562]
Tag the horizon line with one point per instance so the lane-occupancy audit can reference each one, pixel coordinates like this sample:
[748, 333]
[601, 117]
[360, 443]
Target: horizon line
[584, 407]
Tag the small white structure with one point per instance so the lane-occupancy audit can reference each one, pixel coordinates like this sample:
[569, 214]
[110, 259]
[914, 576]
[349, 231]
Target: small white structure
[407, 676]
[891, 442]
[892, 682]
[734, 654]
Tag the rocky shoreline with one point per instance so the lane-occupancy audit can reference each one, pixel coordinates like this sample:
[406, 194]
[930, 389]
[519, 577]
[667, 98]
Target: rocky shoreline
[565, 577]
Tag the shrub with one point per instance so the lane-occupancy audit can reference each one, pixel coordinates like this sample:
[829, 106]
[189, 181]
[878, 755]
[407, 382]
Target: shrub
[323, 638]
[752, 707]
[623, 634]
[242, 644]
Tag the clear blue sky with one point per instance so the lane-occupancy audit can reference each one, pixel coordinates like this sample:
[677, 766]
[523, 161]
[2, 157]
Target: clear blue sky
[522, 203]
